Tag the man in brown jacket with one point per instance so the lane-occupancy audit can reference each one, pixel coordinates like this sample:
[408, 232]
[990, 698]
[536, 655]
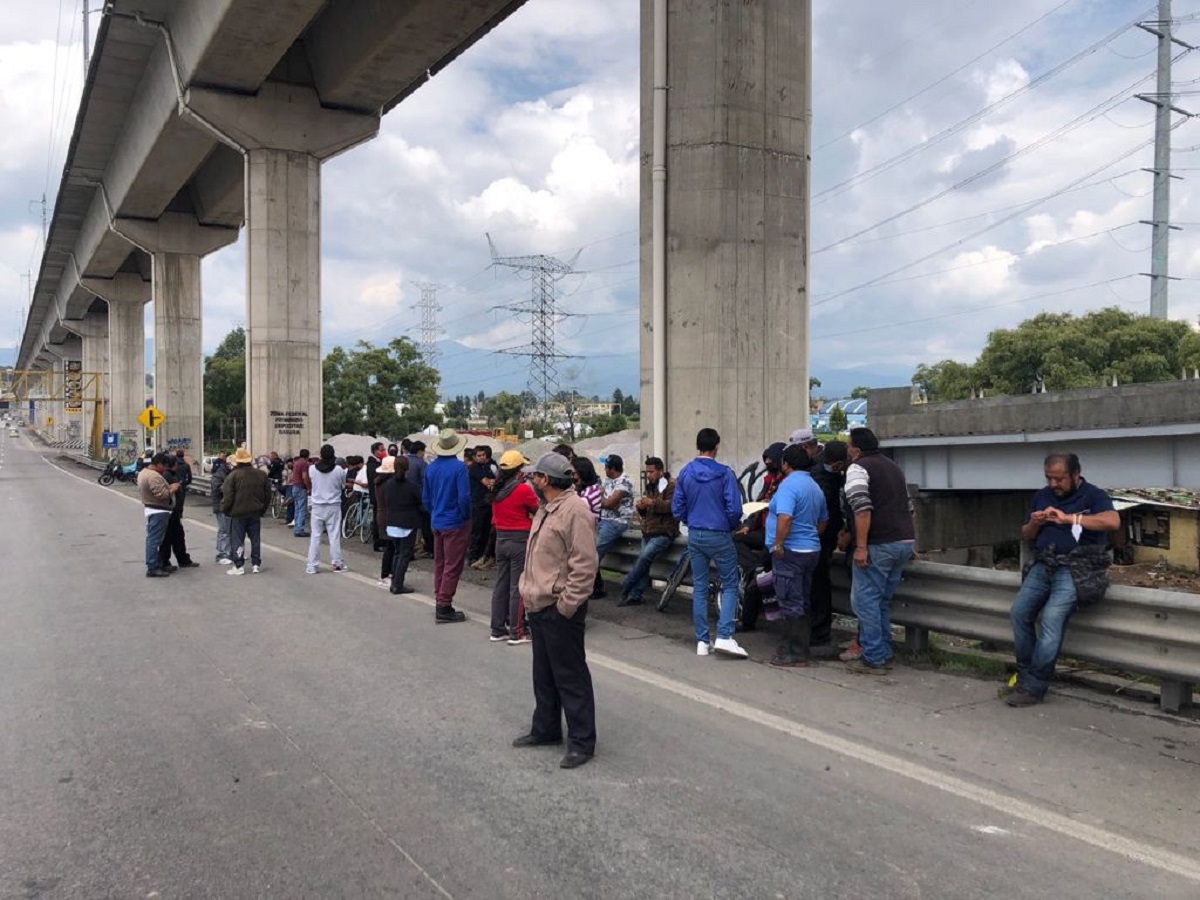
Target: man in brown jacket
[157, 500]
[560, 565]
[659, 530]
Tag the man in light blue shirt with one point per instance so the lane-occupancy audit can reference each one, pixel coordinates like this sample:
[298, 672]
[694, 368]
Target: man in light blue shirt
[795, 519]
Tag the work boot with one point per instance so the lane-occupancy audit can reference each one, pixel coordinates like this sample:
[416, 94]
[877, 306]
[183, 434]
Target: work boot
[792, 652]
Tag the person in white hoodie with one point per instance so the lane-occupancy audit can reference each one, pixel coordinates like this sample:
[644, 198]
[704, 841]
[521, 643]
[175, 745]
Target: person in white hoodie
[328, 480]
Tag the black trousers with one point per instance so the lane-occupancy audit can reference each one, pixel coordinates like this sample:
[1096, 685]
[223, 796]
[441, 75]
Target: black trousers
[174, 540]
[402, 554]
[820, 604]
[427, 531]
[481, 528]
[562, 682]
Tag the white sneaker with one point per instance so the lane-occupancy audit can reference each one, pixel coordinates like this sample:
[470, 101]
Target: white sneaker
[235, 570]
[702, 648]
[311, 570]
[729, 647]
[223, 561]
[289, 524]
[255, 570]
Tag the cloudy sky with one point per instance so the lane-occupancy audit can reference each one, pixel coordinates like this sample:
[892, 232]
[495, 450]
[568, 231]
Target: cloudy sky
[974, 163]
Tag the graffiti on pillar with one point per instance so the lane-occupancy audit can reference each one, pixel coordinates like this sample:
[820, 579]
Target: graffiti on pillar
[179, 443]
[72, 386]
[291, 422]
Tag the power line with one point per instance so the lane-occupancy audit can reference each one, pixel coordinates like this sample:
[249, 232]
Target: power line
[1019, 212]
[905, 155]
[945, 78]
[1082, 119]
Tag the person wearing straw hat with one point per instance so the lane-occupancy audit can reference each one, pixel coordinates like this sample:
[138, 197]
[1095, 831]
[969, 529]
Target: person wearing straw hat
[245, 498]
[514, 505]
[446, 492]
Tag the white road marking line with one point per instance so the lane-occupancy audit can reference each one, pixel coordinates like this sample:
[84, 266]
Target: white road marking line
[990, 829]
[1100, 838]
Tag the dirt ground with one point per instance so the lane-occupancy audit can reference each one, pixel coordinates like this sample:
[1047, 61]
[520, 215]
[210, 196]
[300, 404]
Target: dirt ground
[1156, 575]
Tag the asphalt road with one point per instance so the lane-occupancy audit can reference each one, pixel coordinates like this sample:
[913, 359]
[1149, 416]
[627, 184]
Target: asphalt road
[284, 735]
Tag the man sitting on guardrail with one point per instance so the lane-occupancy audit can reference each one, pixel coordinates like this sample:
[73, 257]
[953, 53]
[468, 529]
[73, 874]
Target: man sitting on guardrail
[1067, 521]
[659, 529]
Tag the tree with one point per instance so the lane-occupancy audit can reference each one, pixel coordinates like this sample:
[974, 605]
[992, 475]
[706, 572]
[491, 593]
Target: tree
[225, 389]
[458, 411]
[1059, 351]
[364, 385]
[504, 411]
[947, 380]
[1189, 352]
[837, 420]
[860, 392]
[607, 424]
[813, 383]
[631, 407]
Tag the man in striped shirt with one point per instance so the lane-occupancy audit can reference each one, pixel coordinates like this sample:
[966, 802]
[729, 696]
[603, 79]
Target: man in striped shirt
[884, 536]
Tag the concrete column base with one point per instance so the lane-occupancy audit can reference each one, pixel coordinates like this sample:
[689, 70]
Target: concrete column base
[126, 295]
[93, 330]
[178, 355]
[283, 302]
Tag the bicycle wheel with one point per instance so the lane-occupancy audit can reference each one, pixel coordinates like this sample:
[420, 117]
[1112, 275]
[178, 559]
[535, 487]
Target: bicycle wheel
[367, 514]
[350, 520]
[676, 579]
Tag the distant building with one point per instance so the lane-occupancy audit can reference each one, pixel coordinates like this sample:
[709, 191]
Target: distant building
[854, 408]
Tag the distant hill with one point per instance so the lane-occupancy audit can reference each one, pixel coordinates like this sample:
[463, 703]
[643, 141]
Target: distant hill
[467, 371]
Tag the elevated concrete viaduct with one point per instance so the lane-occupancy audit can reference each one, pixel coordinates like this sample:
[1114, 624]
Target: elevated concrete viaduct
[199, 116]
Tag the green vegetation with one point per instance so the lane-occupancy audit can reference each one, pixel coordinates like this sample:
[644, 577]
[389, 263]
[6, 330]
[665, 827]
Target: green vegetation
[225, 391]
[364, 384]
[1059, 351]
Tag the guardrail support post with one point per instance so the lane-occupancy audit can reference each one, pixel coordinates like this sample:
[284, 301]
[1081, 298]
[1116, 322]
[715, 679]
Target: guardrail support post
[916, 640]
[1175, 695]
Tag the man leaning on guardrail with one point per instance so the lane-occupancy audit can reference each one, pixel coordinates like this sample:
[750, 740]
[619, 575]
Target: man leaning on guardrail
[1067, 523]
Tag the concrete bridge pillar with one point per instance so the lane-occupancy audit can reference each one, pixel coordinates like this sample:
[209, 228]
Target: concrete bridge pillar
[93, 330]
[127, 295]
[176, 243]
[285, 134]
[737, 194]
[68, 415]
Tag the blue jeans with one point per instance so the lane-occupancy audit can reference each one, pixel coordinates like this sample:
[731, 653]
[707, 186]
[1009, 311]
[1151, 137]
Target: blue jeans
[635, 583]
[607, 534]
[705, 546]
[156, 528]
[300, 502]
[223, 550]
[1052, 595]
[871, 598]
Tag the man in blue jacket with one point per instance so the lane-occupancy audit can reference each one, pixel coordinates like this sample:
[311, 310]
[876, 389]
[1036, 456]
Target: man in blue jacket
[708, 501]
[446, 493]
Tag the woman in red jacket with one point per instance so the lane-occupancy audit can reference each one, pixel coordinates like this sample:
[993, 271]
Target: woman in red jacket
[513, 506]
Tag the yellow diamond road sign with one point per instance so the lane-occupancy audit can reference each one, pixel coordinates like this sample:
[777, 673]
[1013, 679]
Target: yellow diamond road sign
[151, 418]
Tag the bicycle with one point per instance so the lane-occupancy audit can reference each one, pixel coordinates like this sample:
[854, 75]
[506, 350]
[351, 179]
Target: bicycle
[682, 568]
[358, 518]
[278, 502]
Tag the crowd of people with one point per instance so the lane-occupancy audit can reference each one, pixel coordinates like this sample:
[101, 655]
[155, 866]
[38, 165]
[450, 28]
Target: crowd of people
[546, 527]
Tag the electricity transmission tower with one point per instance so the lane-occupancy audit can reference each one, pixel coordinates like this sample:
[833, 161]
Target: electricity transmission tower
[430, 331]
[1160, 222]
[544, 274]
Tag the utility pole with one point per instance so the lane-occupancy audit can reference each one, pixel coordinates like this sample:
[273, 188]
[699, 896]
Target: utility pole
[87, 30]
[429, 308]
[1160, 223]
[545, 273]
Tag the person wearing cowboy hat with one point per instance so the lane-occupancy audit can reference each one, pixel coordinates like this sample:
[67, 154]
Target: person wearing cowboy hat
[245, 498]
[446, 492]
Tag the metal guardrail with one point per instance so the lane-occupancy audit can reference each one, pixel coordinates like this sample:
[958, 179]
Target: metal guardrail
[1141, 630]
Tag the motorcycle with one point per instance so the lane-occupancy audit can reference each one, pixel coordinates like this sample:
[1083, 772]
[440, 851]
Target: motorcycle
[115, 471]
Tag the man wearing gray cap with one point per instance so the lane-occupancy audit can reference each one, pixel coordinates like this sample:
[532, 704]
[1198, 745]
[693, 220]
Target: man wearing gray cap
[560, 563]
[806, 439]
